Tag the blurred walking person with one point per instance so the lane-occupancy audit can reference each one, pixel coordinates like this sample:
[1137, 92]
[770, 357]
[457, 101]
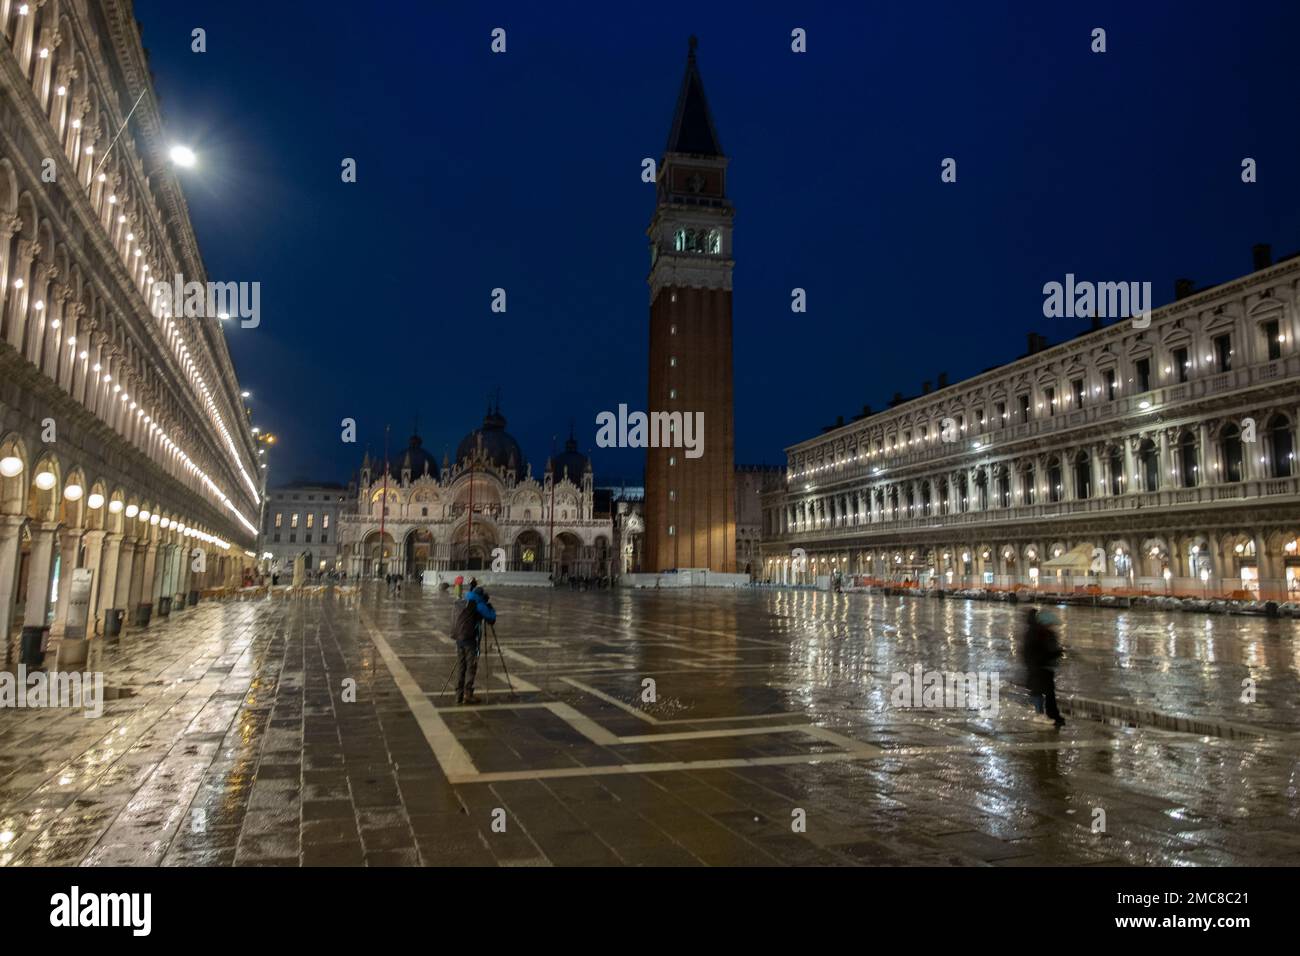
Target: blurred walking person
[1041, 652]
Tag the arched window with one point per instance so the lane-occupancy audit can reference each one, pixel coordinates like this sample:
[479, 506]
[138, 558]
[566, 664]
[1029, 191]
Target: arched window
[1028, 493]
[1230, 438]
[1004, 488]
[698, 240]
[1082, 476]
[1054, 480]
[1116, 471]
[1150, 465]
[1187, 460]
[1280, 447]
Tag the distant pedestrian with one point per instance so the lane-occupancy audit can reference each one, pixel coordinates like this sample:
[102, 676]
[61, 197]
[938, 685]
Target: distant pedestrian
[1041, 652]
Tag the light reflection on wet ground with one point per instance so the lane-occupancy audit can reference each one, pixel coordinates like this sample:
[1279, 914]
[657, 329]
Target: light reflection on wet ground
[239, 747]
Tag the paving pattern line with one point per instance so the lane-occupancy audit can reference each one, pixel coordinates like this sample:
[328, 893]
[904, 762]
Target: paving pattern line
[451, 756]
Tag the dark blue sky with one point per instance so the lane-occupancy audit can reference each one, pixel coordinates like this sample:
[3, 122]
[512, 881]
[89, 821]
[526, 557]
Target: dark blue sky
[523, 171]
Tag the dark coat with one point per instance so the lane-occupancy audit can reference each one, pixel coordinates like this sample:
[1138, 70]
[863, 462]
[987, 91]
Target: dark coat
[1041, 653]
[467, 613]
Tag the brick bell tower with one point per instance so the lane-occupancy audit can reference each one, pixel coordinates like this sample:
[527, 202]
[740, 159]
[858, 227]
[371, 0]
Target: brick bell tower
[690, 503]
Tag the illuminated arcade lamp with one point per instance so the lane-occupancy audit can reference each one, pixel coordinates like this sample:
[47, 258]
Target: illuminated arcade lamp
[72, 492]
[11, 466]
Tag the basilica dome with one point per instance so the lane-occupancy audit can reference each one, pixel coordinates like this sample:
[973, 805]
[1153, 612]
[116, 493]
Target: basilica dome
[498, 444]
[572, 459]
[416, 459]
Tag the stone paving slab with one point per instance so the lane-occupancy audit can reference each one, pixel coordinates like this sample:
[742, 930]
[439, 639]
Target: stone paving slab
[312, 732]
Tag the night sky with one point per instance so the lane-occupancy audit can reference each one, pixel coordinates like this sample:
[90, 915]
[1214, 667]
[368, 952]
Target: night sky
[522, 171]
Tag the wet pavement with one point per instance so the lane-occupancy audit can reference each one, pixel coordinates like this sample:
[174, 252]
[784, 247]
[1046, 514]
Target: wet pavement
[755, 727]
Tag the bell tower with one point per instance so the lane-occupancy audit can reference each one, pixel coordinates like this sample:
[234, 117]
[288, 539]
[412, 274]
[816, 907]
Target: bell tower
[690, 501]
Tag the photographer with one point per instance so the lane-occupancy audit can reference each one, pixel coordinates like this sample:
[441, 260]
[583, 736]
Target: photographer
[466, 630]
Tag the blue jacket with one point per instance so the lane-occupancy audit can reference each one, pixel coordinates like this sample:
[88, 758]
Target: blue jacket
[470, 610]
[484, 609]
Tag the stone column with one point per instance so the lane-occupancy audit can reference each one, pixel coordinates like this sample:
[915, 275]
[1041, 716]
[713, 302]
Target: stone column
[19, 297]
[149, 574]
[40, 573]
[108, 588]
[10, 548]
[185, 563]
[136, 585]
[1251, 468]
[69, 549]
[1205, 473]
[179, 567]
[1131, 481]
[42, 276]
[24, 40]
[162, 574]
[121, 599]
[94, 541]
[1166, 465]
[9, 227]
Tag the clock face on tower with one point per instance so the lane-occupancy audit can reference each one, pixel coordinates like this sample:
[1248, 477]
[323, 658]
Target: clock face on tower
[695, 182]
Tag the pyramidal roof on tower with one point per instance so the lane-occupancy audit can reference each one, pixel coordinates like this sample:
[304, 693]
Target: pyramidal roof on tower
[693, 130]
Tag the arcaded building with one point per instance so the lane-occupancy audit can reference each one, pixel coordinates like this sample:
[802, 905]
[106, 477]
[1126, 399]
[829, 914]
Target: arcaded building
[124, 445]
[1157, 458]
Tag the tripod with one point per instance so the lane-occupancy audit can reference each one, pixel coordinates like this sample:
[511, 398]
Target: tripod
[500, 657]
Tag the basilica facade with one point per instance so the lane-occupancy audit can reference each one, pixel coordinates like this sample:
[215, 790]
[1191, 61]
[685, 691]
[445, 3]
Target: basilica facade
[1152, 455]
[482, 509]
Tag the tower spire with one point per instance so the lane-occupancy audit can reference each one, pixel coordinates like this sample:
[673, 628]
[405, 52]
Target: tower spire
[693, 130]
